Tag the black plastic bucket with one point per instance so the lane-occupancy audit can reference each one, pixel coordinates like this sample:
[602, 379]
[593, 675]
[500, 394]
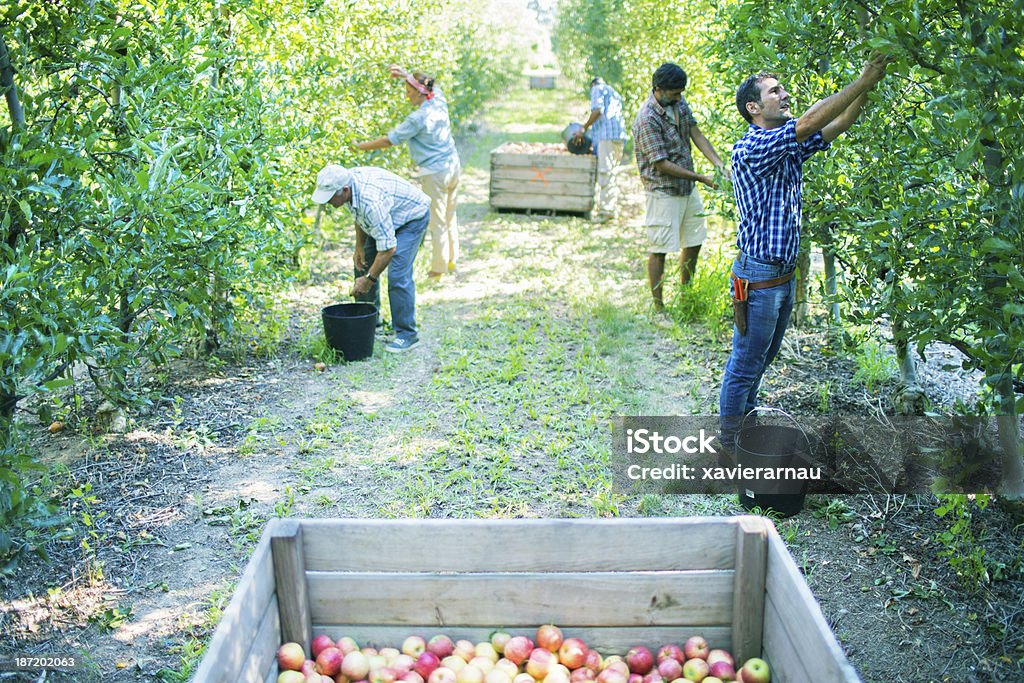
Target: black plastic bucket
[349, 329]
[772, 446]
[583, 145]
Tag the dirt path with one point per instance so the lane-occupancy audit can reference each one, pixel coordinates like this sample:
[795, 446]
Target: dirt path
[542, 336]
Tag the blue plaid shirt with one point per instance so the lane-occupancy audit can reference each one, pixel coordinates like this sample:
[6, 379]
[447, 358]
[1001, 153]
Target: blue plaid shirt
[767, 169]
[382, 202]
[610, 125]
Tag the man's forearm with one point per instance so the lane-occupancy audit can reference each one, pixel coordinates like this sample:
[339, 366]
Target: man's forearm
[824, 111]
[843, 122]
[705, 147]
[668, 168]
[369, 145]
[381, 262]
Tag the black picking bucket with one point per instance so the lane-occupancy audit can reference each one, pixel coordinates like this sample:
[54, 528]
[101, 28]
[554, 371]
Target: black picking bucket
[349, 329]
[773, 446]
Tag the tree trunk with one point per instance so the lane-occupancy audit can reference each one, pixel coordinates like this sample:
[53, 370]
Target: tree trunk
[800, 305]
[1009, 441]
[830, 287]
[10, 91]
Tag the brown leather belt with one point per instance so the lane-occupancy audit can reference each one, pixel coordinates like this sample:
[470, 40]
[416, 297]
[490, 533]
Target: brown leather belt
[774, 282]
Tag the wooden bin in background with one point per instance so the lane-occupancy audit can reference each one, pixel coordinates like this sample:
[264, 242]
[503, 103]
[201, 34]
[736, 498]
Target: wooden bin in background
[542, 82]
[612, 582]
[542, 181]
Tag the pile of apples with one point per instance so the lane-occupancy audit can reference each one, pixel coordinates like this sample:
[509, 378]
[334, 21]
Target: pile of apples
[511, 659]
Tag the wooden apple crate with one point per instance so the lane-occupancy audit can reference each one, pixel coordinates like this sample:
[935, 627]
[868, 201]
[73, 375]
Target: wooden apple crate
[542, 82]
[521, 180]
[615, 583]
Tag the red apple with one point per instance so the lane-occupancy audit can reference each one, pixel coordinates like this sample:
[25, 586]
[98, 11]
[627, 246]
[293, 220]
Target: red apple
[442, 674]
[612, 674]
[582, 675]
[722, 669]
[670, 652]
[756, 670]
[469, 674]
[695, 669]
[517, 649]
[414, 646]
[440, 645]
[291, 676]
[639, 660]
[355, 665]
[549, 637]
[696, 648]
[403, 664]
[328, 662]
[670, 668]
[616, 663]
[453, 662]
[718, 655]
[540, 662]
[572, 653]
[487, 651]
[635, 678]
[320, 643]
[290, 657]
[465, 649]
[482, 663]
[426, 663]
[508, 666]
[593, 660]
[498, 640]
[346, 644]
[653, 676]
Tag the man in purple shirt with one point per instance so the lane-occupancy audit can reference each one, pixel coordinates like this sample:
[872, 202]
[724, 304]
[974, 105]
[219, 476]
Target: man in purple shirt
[767, 168]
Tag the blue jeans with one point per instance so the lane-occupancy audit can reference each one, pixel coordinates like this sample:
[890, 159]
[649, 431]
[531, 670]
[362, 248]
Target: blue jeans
[401, 288]
[768, 313]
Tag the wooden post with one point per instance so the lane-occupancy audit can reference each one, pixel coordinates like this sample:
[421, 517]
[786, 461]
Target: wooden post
[749, 587]
[290, 580]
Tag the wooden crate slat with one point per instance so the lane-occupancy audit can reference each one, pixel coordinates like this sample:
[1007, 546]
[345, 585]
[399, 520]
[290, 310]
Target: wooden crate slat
[585, 162]
[535, 186]
[241, 619]
[521, 173]
[263, 653]
[608, 641]
[541, 202]
[796, 635]
[290, 576]
[525, 599]
[748, 596]
[534, 545]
